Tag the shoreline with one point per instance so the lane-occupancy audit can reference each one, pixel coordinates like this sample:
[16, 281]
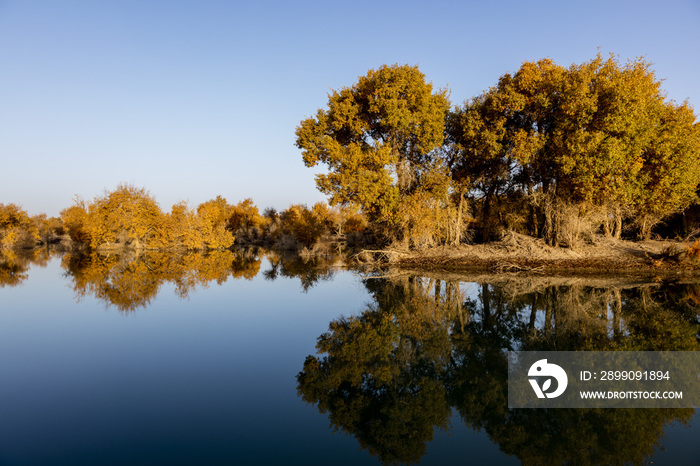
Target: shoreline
[523, 254]
[514, 253]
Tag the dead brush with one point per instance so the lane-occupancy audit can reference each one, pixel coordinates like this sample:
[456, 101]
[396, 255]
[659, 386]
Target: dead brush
[675, 254]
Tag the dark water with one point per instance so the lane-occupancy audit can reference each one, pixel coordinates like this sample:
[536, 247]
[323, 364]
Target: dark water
[250, 359]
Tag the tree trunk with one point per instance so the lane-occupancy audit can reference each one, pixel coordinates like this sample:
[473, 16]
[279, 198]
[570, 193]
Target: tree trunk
[485, 220]
[644, 228]
[618, 223]
[548, 232]
[458, 225]
[606, 226]
[532, 220]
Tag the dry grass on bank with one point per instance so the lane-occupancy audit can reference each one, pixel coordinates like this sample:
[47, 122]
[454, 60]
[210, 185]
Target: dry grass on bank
[516, 252]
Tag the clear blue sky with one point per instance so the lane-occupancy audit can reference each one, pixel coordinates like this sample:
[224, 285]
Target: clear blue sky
[191, 99]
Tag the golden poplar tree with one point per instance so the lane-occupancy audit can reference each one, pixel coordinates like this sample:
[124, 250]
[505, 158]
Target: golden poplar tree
[376, 138]
[594, 137]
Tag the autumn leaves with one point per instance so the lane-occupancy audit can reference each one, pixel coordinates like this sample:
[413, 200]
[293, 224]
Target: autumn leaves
[548, 151]
[129, 217]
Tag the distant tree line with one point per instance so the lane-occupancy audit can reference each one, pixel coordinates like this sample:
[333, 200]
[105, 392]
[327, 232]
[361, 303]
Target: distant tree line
[553, 152]
[130, 217]
[20, 230]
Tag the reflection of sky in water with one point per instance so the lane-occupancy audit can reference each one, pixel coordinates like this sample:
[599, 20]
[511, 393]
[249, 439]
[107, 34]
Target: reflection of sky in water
[178, 378]
[204, 380]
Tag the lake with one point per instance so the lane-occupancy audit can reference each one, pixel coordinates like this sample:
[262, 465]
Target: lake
[257, 358]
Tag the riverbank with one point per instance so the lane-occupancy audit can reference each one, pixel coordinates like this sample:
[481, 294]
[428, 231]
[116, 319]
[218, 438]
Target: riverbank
[520, 253]
[513, 253]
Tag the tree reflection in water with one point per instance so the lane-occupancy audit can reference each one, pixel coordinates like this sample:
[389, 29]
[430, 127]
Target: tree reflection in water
[392, 374]
[130, 280]
[15, 264]
[309, 269]
[426, 349]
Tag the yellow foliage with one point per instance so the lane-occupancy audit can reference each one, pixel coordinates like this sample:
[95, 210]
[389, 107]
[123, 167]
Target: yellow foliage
[353, 221]
[200, 229]
[307, 226]
[424, 220]
[182, 227]
[16, 227]
[213, 216]
[130, 217]
[245, 216]
[596, 134]
[75, 220]
[127, 216]
[375, 136]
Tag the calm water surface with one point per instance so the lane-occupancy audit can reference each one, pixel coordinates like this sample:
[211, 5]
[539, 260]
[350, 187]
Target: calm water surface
[252, 359]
